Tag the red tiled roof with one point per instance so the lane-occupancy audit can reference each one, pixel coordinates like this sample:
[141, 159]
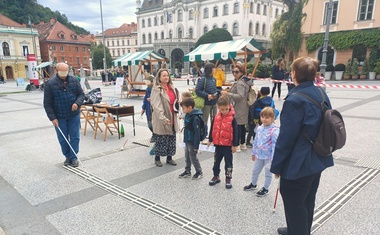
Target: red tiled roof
[8, 22]
[123, 30]
[147, 4]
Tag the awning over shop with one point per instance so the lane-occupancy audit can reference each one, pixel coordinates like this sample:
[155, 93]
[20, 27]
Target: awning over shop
[137, 57]
[225, 50]
[43, 65]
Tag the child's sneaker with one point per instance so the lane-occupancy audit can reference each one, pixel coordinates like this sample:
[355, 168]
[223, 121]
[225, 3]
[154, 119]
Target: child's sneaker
[238, 150]
[214, 180]
[185, 174]
[197, 176]
[249, 145]
[263, 192]
[250, 187]
[228, 183]
[243, 147]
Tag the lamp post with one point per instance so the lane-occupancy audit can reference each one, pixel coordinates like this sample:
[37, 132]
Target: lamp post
[90, 59]
[104, 43]
[326, 40]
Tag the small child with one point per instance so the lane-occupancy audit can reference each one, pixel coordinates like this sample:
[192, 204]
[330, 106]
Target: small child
[146, 104]
[320, 81]
[184, 95]
[191, 138]
[262, 151]
[224, 135]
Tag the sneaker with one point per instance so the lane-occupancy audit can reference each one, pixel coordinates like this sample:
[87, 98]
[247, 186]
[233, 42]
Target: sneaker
[249, 145]
[214, 180]
[282, 230]
[74, 162]
[185, 174]
[152, 139]
[238, 150]
[228, 183]
[263, 192]
[158, 163]
[243, 147]
[250, 187]
[197, 176]
[66, 162]
[171, 162]
[205, 141]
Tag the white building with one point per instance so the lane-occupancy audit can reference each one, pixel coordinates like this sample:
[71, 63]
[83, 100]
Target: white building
[171, 27]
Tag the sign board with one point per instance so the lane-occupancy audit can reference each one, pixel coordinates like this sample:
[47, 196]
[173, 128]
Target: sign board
[119, 83]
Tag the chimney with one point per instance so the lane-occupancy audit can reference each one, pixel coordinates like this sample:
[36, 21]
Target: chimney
[52, 21]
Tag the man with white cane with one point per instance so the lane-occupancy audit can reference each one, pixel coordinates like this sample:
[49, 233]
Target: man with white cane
[63, 96]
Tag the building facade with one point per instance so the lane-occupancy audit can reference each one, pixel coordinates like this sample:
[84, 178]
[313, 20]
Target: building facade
[173, 27]
[17, 41]
[120, 40]
[348, 19]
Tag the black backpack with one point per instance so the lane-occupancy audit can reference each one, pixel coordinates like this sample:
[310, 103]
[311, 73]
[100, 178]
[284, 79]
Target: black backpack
[332, 132]
[202, 127]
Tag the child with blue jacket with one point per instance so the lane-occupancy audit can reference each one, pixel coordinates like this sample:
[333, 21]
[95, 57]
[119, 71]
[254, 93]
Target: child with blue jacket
[191, 137]
[263, 150]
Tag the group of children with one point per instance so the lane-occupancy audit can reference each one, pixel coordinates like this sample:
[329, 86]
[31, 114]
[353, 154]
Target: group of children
[223, 135]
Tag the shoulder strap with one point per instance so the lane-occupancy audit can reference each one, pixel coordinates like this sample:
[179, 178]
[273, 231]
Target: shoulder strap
[204, 83]
[323, 107]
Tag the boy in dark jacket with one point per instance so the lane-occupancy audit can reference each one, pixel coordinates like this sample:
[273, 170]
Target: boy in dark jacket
[191, 137]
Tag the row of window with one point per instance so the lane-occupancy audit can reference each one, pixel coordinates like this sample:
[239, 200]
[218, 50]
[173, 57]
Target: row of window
[117, 53]
[206, 13]
[61, 48]
[365, 11]
[122, 43]
[78, 61]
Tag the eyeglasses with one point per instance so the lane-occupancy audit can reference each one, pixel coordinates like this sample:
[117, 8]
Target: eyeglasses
[235, 71]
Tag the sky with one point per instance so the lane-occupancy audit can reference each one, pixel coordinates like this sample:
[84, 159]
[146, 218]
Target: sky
[86, 13]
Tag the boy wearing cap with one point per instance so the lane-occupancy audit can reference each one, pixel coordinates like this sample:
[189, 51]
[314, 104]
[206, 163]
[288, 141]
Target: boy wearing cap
[254, 112]
[146, 104]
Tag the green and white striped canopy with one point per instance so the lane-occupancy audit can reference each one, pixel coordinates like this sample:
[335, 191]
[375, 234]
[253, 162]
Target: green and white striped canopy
[224, 50]
[136, 57]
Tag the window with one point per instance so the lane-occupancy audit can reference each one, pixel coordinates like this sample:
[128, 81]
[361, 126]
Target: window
[179, 33]
[123, 51]
[257, 28]
[265, 10]
[155, 36]
[55, 59]
[225, 26]
[258, 8]
[84, 60]
[276, 13]
[53, 48]
[205, 29]
[329, 56]
[250, 29]
[117, 42]
[235, 29]
[118, 52]
[108, 43]
[25, 50]
[162, 20]
[251, 7]
[63, 59]
[214, 26]
[155, 21]
[365, 10]
[263, 31]
[205, 13]
[75, 37]
[83, 49]
[62, 36]
[143, 23]
[113, 52]
[78, 61]
[191, 15]
[143, 39]
[76, 49]
[180, 15]
[225, 9]
[333, 13]
[162, 35]
[149, 23]
[215, 11]
[191, 33]
[61, 48]
[136, 42]
[170, 34]
[149, 38]
[359, 52]
[128, 42]
[113, 43]
[236, 7]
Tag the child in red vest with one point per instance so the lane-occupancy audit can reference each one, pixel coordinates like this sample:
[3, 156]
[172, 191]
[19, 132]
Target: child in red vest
[224, 135]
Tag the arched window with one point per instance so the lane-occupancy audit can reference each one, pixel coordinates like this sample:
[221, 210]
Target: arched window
[258, 7]
[257, 28]
[155, 36]
[215, 11]
[149, 38]
[265, 10]
[6, 51]
[214, 26]
[191, 15]
[191, 32]
[180, 15]
[251, 7]
[236, 7]
[162, 20]
[250, 29]
[276, 13]
[143, 39]
[162, 35]
[143, 23]
[170, 34]
[225, 26]
[329, 55]
[149, 23]
[225, 9]
[155, 21]
[359, 52]
[263, 31]
[180, 33]
[205, 13]
[235, 29]
[205, 29]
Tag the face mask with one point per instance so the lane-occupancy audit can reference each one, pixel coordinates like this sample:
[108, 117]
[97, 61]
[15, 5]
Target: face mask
[63, 73]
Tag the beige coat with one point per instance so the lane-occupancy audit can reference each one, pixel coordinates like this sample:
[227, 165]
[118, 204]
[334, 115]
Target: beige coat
[160, 104]
[239, 95]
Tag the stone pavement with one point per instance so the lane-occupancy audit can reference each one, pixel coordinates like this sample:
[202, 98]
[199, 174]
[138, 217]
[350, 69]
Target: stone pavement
[123, 192]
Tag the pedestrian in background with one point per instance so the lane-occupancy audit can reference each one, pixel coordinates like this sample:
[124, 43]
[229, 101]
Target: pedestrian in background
[63, 96]
[146, 104]
[220, 77]
[278, 75]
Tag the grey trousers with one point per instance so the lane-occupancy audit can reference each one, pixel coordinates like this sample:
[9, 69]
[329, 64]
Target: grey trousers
[209, 110]
[191, 158]
[257, 167]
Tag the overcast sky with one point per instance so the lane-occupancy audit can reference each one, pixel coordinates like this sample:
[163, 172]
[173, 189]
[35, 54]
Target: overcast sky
[86, 13]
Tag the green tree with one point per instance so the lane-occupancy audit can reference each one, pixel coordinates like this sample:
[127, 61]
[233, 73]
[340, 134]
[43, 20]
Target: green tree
[98, 55]
[215, 35]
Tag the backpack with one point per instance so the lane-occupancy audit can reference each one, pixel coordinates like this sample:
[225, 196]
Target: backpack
[252, 95]
[332, 131]
[276, 112]
[202, 128]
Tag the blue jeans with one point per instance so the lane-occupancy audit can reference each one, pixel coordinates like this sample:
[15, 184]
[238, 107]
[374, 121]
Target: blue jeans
[71, 129]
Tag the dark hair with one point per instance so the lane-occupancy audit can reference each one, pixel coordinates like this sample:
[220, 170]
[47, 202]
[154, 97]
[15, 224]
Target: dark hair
[187, 102]
[304, 69]
[208, 69]
[159, 75]
[241, 68]
[224, 100]
[267, 112]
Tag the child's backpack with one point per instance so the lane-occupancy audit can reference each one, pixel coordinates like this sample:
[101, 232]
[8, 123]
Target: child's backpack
[202, 128]
[252, 95]
[332, 131]
[276, 112]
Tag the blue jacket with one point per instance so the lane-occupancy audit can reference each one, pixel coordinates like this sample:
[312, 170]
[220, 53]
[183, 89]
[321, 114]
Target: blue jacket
[146, 103]
[59, 98]
[294, 157]
[192, 131]
[209, 89]
[262, 102]
[277, 73]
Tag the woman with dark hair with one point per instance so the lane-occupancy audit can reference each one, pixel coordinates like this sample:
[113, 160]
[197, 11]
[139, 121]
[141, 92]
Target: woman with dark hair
[239, 95]
[206, 88]
[294, 159]
[278, 74]
[164, 117]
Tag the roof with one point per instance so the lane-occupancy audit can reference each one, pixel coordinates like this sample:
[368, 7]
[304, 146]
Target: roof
[8, 22]
[124, 30]
[151, 4]
[136, 57]
[43, 65]
[225, 50]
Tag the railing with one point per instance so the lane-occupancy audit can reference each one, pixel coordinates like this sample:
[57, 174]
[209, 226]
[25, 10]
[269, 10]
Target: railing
[167, 40]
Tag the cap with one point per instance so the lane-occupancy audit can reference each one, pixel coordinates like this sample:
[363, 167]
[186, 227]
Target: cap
[265, 90]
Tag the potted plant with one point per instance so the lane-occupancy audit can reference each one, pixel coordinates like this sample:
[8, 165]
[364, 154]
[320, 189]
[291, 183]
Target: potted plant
[329, 71]
[348, 71]
[355, 69]
[373, 59]
[363, 73]
[377, 70]
[339, 69]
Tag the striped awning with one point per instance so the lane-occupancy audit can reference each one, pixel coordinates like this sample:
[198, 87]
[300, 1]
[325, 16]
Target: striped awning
[43, 65]
[137, 57]
[225, 50]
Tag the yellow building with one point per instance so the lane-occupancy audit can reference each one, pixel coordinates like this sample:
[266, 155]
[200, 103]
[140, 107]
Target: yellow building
[16, 42]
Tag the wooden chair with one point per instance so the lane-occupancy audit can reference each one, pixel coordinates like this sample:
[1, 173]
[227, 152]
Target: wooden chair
[103, 116]
[89, 118]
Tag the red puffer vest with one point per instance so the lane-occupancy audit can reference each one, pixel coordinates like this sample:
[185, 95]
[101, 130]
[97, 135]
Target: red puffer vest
[222, 132]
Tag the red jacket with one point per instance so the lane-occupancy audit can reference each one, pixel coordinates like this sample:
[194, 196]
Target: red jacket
[222, 131]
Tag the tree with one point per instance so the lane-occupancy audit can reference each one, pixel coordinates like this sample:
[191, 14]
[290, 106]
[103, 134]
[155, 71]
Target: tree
[98, 55]
[215, 35]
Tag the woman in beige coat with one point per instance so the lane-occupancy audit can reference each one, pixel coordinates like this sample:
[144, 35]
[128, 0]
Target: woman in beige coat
[164, 117]
[239, 95]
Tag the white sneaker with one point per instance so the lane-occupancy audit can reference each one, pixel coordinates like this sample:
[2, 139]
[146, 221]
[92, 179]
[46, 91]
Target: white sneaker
[205, 141]
[243, 146]
[238, 150]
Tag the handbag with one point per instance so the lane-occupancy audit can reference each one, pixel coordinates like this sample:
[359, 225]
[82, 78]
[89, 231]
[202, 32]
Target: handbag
[199, 101]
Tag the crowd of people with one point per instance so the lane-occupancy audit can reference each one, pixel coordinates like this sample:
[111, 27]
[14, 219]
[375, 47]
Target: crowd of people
[281, 151]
